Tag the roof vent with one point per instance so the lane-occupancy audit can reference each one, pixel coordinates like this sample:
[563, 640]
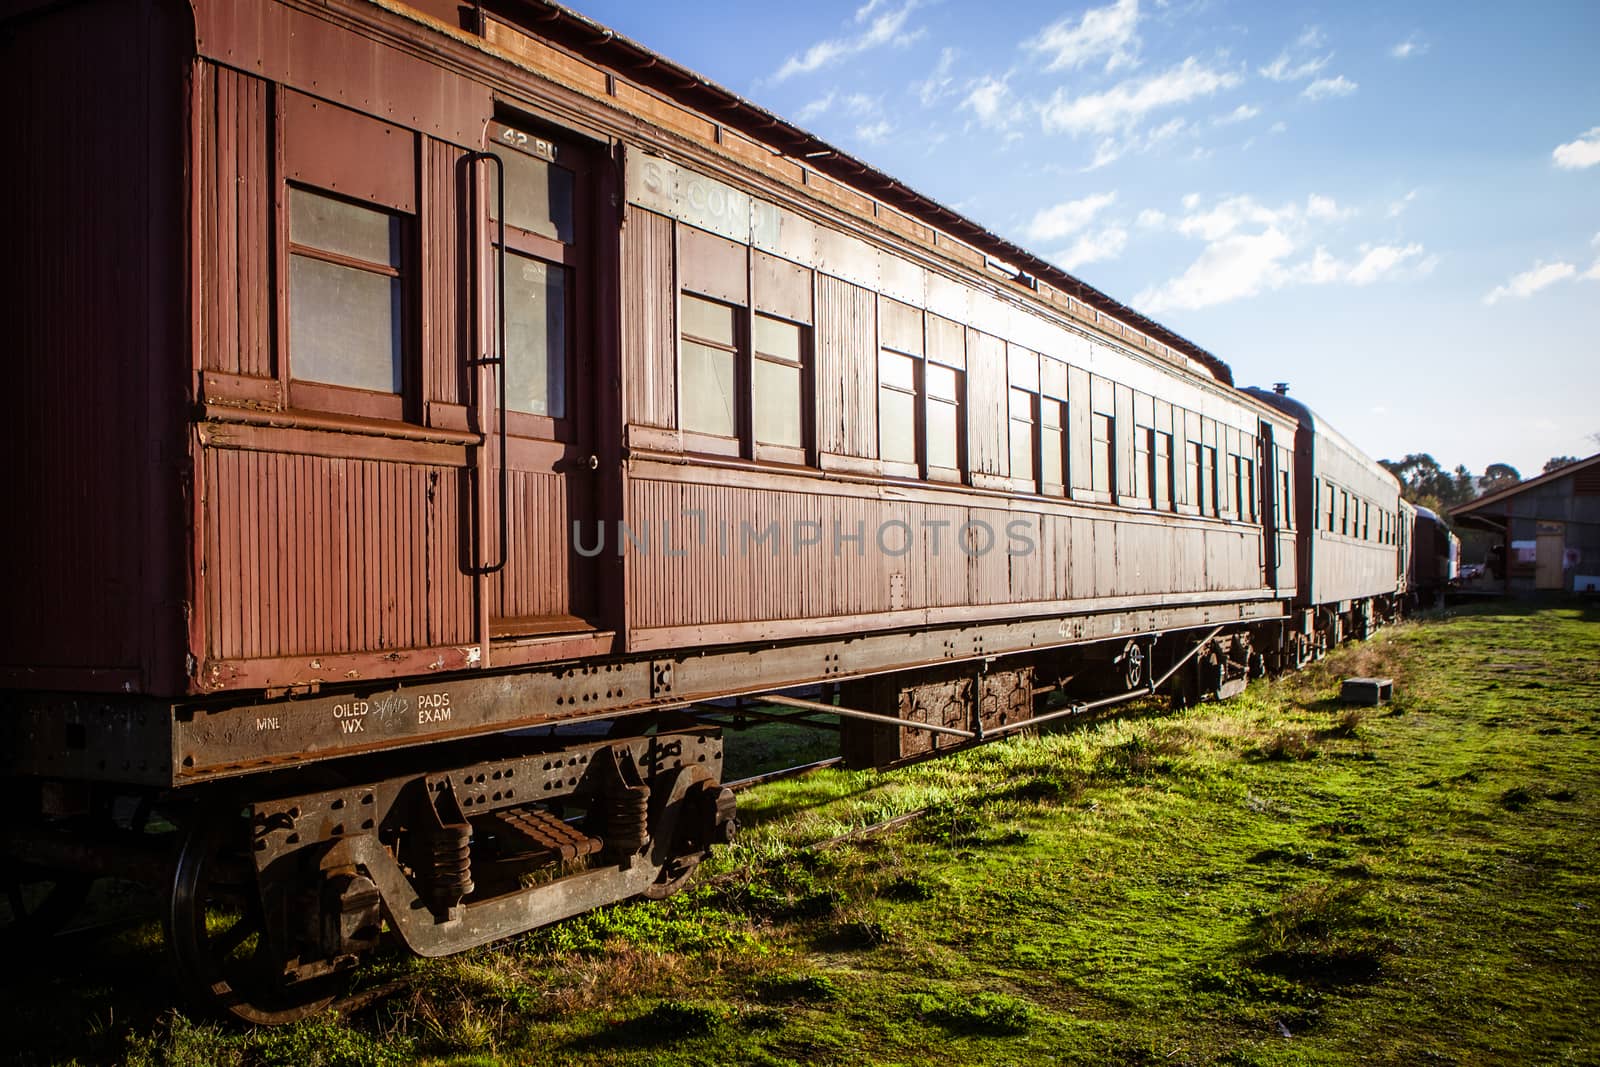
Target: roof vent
[1281, 388]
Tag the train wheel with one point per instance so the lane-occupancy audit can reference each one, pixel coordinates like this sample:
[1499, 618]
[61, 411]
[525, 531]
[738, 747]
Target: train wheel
[703, 816]
[217, 936]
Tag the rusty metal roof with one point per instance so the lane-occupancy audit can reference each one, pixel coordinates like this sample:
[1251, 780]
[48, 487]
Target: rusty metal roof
[563, 26]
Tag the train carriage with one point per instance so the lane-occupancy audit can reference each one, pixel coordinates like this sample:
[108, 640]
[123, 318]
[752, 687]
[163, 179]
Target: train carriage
[455, 370]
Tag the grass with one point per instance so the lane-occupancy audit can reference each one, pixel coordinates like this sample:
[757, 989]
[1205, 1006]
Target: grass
[1274, 880]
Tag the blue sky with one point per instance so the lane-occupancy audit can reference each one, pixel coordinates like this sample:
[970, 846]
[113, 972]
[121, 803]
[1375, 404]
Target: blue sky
[1394, 207]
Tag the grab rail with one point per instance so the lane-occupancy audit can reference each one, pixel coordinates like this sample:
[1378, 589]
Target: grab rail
[499, 359]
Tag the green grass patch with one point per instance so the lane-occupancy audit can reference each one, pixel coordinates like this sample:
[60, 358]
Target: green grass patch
[1278, 879]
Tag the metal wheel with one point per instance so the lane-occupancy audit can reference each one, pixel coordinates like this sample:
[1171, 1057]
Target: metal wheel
[692, 792]
[1132, 660]
[217, 936]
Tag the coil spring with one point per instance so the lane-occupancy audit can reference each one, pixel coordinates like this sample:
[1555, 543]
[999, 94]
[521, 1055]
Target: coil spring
[449, 865]
[628, 819]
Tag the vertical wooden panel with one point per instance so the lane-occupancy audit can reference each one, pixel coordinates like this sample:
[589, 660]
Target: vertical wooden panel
[1079, 408]
[235, 220]
[847, 374]
[1124, 430]
[987, 443]
[649, 333]
[446, 339]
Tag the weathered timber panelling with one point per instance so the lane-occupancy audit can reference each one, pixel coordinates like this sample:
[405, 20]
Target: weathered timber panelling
[236, 237]
[446, 333]
[847, 368]
[649, 334]
[311, 554]
[732, 555]
[542, 578]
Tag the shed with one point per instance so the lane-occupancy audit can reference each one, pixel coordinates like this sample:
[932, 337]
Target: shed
[1550, 526]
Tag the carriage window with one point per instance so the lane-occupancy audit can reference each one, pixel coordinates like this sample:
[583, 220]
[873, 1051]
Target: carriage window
[897, 406]
[944, 417]
[1251, 507]
[1162, 470]
[540, 258]
[1328, 492]
[538, 193]
[1366, 521]
[1102, 454]
[1143, 458]
[1191, 461]
[1052, 445]
[1285, 510]
[1022, 423]
[346, 293]
[778, 382]
[1213, 480]
[708, 354]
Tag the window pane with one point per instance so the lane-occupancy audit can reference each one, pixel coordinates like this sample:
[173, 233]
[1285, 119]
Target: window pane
[1050, 413]
[777, 403]
[707, 392]
[538, 196]
[1022, 405]
[943, 382]
[897, 370]
[536, 336]
[707, 321]
[774, 337]
[897, 426]
[348, 229]
[1050, 454]
[1022, 450]
[943, 426]
[344, 325]
[1101, 459]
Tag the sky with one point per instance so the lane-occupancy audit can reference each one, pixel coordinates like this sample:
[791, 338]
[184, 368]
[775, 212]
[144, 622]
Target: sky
[1393, 207]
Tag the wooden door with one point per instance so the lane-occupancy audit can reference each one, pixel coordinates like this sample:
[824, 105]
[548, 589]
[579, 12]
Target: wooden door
[1548, 570]
[545, 245]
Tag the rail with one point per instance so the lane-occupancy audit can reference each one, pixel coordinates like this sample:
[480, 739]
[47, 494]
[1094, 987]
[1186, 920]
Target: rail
[498, 360]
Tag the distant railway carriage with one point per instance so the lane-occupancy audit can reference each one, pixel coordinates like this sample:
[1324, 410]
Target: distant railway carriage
[394, 378]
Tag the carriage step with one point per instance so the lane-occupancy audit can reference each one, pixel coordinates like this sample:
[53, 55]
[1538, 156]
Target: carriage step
[532, 833]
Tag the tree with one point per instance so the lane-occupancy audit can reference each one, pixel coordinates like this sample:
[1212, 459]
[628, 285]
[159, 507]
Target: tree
[1423, 481]
[1555, 463]
[1498, 476]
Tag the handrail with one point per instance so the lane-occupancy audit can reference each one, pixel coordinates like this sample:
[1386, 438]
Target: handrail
[499, 359]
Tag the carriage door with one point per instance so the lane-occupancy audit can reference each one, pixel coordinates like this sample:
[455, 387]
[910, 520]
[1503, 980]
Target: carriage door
[1271, 503]
[544, 243]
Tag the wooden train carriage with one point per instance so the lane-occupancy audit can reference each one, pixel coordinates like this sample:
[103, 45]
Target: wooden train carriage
[396, 376]
[830, 401]
[1350, 521]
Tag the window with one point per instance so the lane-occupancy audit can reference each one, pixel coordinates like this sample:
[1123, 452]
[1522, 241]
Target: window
[897, 406]
[1144, 475]
[1344, 513]
[1285, 504]
[1366, 521]
[1213, 486]
[778, 383]
[1247, 489]
[1102, 453]
[1052, 446]
[1329, 493]
[1162, 464]
[540, 256]
[346, 295]
[945, 432]
[1022, 438]
[708, 356]
[1194, 462]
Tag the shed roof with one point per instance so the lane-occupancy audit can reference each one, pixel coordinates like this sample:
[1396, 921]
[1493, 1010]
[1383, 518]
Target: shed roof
[1478, 506]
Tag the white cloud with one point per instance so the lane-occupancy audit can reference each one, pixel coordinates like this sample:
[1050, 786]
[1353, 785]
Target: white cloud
[1151, 219]
[1125, 104]
[1093, 247]
[1067, 218]
[1242, 113]
[1408, 48]
[1323, 88]
[1580, 153]
[1253, 248]
[860, 105]
[1310, 37]
[989, 98]
[874, 132]
[1234, 267]
[939, 83]
[1530, 281]
[1278, 127]
[886, 28]
[817, 108]
[1102, 31]
[1593, 273]
[1283, 69]
[1400, 205]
